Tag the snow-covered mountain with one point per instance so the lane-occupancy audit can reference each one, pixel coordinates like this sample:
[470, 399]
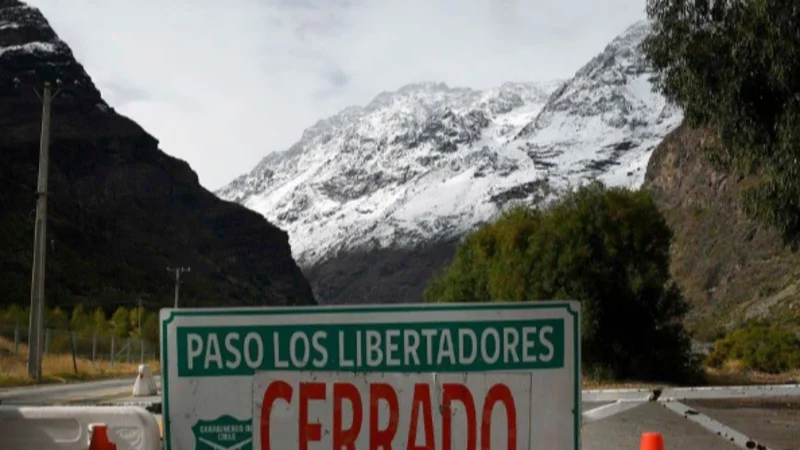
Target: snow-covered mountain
[429, 162]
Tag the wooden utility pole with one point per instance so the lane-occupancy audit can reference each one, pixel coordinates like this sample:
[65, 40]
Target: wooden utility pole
[178, 271]
[141, 337]
[35, 329]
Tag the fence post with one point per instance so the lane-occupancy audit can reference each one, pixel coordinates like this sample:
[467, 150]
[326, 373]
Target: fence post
[112, 352]
[72, 344]
[16, 342]
[46, 340]
[94, 347]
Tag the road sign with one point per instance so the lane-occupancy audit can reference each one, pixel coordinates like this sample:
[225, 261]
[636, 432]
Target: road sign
[224, 433]
[219, 364]
[389, 410]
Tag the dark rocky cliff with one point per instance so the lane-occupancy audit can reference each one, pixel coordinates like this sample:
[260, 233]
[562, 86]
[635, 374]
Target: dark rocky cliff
[120, 209]
[385, 275]
[729, 267]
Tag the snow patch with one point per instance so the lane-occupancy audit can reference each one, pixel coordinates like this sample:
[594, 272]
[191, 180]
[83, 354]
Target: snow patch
[30, 47]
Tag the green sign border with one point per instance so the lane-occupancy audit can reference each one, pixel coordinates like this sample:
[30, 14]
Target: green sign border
[371, 309]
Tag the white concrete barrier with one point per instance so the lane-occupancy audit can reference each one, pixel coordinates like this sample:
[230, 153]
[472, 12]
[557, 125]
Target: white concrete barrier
[145, 384]
[67, 427]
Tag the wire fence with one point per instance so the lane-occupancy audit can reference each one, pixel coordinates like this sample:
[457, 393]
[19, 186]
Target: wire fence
[96, 348]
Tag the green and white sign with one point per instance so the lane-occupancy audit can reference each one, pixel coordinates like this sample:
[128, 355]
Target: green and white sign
[210, 358]
[225, 433]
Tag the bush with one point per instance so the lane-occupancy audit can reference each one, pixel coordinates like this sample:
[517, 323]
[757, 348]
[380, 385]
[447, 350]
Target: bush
[609, 249]
[732, 66]
[760, 347]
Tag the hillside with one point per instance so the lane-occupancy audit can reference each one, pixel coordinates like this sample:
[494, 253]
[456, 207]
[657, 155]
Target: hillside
[375, 198]
[120, 209]
[729, 267]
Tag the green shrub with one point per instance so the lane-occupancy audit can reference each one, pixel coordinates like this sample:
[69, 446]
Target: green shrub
[609, 249]
[759, 347]
[733, 66]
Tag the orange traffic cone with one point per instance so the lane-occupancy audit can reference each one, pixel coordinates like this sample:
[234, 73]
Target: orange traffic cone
[651, 441]
[100, 439]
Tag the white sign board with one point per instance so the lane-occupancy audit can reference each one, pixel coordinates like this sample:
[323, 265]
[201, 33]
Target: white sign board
[402, 367]
[380, 410]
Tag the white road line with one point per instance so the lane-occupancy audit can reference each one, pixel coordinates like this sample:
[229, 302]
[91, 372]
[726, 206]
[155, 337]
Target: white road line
[714, 426]
[612, 395]
[600, 413]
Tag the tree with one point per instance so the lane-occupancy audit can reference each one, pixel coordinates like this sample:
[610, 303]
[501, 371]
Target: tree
[120, 325]
[134, 321]
[99, 325]
[609, 249]
[79, 320]
[15, 316]
[732, 66]
[56, 318]
[150, 327]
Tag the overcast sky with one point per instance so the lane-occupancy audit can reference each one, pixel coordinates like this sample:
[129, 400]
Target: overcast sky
[221, 83]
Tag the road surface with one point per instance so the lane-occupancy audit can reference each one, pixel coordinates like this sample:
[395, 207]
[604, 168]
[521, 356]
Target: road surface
[774, 422]
[623, 431]
[118, 389]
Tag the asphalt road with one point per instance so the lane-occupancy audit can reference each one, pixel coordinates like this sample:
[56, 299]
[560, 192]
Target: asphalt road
[624, 430]
[91, 392]
[774, 422]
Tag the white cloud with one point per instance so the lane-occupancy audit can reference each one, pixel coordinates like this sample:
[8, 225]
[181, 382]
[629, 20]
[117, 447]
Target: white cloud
[222, 83]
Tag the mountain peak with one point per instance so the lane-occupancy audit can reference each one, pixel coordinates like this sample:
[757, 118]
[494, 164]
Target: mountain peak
[627, 43]
[31, 53]
[424, 86]
[421, 87]
[11, 4]
[428, 162]
[120, 209]
[639, 29]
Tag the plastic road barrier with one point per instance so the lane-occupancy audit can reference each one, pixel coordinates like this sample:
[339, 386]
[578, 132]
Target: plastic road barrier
[68, 427]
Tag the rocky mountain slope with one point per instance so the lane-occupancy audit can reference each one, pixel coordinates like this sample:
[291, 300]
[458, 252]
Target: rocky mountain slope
[120, 210]
[375, 197]
[406, 168]
[729, 267]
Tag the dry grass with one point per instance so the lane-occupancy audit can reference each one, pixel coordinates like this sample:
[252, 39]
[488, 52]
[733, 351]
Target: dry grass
[589, 383]
[60, 368]
[732, 374]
